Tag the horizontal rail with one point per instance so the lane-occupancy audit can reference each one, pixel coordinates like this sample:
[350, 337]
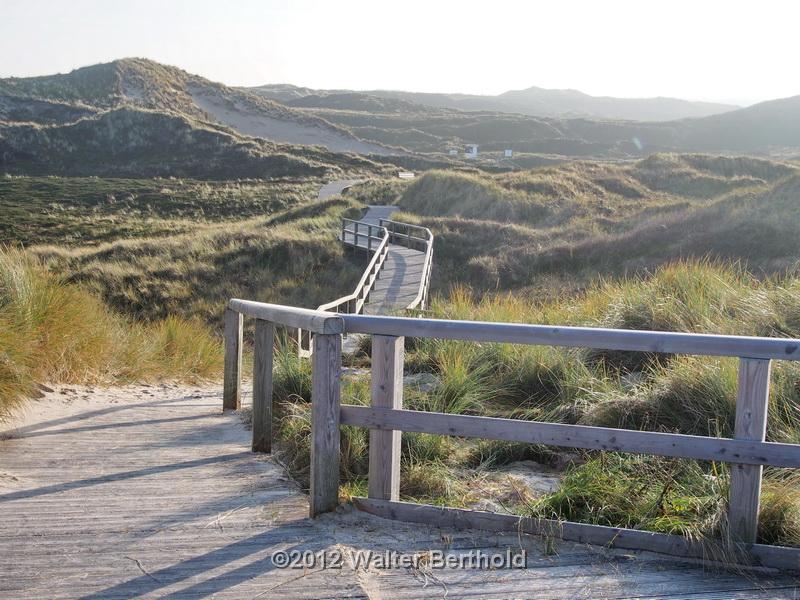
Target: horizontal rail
[675, 445]
[354, 302]
[776, 557]
[579, 337]
[303, 318]
[408, 226]
[365, 283]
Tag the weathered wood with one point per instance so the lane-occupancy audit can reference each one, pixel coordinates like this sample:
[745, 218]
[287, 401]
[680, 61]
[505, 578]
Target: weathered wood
[325, 398]
[576, 436]
[366, 282]
[386, 392]
[751, 424]
[179, 507]
[289, 316]
[614, 537]
[232, 390]
[578, 337]
[263, 346]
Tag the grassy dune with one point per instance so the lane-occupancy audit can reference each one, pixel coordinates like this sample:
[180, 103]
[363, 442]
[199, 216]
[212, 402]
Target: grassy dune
[674, 243]
[556, 228]
[51, 331]
[290, 257]
[73, 211]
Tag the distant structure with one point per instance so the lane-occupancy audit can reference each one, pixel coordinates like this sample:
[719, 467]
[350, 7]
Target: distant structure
[452, 152]
[508, 153]
[405, 175]
[471, 151]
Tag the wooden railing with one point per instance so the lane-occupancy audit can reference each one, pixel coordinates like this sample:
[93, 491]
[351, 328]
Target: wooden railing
[747, 452]
[419, 238]
[376, 238]
[357, 234]
[360, 234]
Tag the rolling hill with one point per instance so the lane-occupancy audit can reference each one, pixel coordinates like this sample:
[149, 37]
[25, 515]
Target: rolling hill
[533, 101]
[563, 123]
[564, 225]
[136, 117]
[146, 87]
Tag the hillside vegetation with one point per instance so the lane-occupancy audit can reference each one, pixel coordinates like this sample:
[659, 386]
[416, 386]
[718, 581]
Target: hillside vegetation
[132, 142]
[557, 227]
[534, 101]
[89, 210]
[136, 117]
[291, 256]
[549, 124]
[152, 86]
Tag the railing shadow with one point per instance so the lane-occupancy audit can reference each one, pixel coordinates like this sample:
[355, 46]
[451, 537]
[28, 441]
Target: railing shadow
[153, 581]
[16, 432]
[92, 481]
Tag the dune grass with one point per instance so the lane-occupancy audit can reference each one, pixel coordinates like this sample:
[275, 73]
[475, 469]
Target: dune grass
[290, 257]
[89, 211]
[691, 395]
[552, 230]
[52, 332]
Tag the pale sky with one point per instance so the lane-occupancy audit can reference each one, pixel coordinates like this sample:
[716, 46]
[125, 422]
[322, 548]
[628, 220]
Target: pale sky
[737, 51]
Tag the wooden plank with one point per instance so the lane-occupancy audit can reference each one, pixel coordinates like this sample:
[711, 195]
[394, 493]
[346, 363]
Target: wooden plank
[576, 436]
[263, 348]
[578, 337]
[232, 376]
[289, 316]
[751, 424]
[613, 537]
[386, 392]
[325, 398]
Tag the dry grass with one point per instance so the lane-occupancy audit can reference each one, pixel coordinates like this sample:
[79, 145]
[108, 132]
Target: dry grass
[290, 257]
[553, 229]
[54, 332]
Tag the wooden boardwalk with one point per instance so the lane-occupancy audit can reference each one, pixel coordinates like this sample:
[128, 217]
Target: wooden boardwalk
[402, 272]
[335, 187]
[152, 492]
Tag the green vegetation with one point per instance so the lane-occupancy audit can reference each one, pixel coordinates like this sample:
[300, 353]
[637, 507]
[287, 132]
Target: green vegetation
[553, 229]
[676, 243]
[546, 125]
[89, 210]
[692, 395]
[55, 332]
[134, 142]
[139, 118]
[290, 257]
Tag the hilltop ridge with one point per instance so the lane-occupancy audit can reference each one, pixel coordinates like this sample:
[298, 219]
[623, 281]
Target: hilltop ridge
[533, 101]
[147, 84]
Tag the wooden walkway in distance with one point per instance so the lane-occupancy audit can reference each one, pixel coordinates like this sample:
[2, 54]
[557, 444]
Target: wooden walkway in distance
[401, 275]
[152, 492]
[335, 187]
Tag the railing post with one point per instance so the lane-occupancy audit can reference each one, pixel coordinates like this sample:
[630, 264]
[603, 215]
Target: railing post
[751, 424]
[387, 392]
[262, 386]
[232, 376]
[325, 397]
